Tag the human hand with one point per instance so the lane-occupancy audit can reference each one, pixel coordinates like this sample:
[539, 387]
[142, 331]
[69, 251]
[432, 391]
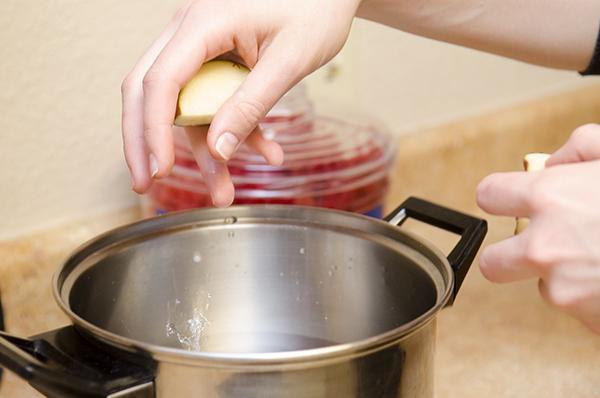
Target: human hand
[282, 41]
[561, 245]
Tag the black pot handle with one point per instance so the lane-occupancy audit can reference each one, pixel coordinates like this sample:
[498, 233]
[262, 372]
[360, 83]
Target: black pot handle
[62, 364]
[1, 329]
[472, 230]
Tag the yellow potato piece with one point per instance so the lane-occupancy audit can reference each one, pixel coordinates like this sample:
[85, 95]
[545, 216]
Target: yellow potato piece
[535, 161]
[531, 162]
[204, 94]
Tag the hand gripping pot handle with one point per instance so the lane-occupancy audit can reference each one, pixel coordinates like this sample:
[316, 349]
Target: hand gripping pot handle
[472, 230]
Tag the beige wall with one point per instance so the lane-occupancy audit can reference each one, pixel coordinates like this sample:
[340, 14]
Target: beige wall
[409, 82]
[62, 61]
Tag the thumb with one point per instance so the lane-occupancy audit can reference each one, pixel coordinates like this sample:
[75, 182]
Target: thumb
[583, 145]
[274, 74]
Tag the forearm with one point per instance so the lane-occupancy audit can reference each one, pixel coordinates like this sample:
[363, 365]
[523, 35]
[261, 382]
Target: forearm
[555, 33]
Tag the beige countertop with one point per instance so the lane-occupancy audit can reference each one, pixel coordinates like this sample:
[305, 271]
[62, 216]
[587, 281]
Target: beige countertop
[496, 341]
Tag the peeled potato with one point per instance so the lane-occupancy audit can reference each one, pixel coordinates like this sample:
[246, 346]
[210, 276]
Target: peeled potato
[202, 96]
[531, 162]
[535, 161]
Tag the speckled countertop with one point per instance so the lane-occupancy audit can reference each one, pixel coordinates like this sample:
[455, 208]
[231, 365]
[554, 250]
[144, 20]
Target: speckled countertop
[496, 341]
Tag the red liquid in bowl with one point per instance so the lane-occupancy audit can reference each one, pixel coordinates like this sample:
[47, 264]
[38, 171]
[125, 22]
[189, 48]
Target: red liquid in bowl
[328, 163]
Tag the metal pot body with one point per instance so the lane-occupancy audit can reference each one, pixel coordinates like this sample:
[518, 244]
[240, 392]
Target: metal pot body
[256, 301]
[403, 369]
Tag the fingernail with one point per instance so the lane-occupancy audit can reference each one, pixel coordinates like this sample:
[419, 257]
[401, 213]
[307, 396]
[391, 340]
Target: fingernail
[153, 165]
[226, 145]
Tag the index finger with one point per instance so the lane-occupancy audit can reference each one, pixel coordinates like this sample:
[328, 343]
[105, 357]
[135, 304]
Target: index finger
[178, 61]
[506, 194]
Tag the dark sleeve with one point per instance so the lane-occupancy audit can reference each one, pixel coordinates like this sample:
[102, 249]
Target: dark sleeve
[594, 66]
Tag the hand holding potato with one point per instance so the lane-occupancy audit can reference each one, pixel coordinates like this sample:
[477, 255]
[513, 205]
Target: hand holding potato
[279, 41]
[561, 245]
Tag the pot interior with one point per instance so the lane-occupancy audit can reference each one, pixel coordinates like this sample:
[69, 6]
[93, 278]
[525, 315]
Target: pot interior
[253, 286]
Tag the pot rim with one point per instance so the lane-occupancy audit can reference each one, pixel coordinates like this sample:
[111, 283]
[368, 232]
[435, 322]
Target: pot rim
[216, 359]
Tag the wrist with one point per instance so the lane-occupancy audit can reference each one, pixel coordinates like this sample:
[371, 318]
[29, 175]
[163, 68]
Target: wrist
[393, 13]
[366, 8]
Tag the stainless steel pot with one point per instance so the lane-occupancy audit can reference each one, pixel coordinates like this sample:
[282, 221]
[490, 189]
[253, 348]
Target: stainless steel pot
[271, 301]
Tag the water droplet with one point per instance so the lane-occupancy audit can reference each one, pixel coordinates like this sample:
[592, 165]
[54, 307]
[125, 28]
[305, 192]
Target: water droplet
[112, 282]
[281, 274]
[230, 220]
[330, 273]
[170, 328]
[316, 302]
[297, 298]
[114, 300]
[326, 317]
[335, 267]
[320, 282]
[297, 283]
[197, 257]
[302, 250]
[188, 331]
[177, 301]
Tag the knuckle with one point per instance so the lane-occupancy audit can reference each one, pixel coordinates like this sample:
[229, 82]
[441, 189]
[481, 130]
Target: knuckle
[293, 63]
[582, 134]
[536, 252]
[152, 78]
[148, 134]
[585, 141]
[251, 111]
[127, 85]
[568, 289]
[560, 295]
[542, 194]
[553, 296]
[152, 133]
